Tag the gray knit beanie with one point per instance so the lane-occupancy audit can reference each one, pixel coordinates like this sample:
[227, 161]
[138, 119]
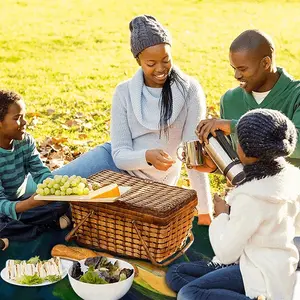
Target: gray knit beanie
[266, 134]
[146, 31]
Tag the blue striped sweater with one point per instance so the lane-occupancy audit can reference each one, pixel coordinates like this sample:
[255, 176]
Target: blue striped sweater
[15, 165]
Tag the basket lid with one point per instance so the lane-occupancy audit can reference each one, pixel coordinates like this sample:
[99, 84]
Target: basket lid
[146, 196]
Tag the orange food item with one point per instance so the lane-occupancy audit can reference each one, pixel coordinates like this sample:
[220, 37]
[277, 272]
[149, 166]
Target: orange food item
[108, 191]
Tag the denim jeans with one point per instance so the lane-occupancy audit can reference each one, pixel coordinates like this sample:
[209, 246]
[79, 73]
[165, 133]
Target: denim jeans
[204, 280]
[33, 222]
[91, 162]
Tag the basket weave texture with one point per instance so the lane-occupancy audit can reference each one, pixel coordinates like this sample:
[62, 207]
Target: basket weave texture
[152, 215]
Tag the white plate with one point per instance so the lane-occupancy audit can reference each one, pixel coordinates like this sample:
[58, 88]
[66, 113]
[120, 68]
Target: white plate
[66, 264]
[123, 189]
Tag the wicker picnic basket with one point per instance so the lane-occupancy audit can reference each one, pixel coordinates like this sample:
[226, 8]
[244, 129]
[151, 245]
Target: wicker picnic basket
[151, 221]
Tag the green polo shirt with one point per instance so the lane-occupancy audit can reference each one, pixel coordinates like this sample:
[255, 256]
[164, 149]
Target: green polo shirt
[284, 96]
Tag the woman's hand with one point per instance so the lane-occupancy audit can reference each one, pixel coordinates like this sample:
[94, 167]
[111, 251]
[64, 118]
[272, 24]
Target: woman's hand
[220, 205]
[159, 159]
[205, 127]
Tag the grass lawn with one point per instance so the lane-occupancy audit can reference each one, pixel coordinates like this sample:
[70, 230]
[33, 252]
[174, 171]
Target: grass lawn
[66, 56]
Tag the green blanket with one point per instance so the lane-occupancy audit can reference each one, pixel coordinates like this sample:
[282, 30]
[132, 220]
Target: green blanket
[148, 285]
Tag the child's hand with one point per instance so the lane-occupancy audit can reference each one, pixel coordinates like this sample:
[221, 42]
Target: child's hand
[220, 205]
[30, 203]
[6, 243]
[35, 203]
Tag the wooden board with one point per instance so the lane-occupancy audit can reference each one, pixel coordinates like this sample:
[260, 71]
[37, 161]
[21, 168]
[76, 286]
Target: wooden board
[84, 198]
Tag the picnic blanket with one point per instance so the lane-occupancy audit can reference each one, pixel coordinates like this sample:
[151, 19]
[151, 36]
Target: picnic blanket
[150, 284]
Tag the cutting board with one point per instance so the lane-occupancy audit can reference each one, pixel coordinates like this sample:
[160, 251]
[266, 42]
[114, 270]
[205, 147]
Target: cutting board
[84, 198]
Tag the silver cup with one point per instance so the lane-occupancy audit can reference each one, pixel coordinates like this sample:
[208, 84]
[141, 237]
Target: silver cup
[193, 154]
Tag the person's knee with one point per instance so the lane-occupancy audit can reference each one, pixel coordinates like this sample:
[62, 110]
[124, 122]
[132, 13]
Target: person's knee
[64, 207]
[170, 275]
[173, 278]
[106, 147]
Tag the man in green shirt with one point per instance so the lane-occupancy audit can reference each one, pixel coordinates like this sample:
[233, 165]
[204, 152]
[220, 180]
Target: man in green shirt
[262, 85]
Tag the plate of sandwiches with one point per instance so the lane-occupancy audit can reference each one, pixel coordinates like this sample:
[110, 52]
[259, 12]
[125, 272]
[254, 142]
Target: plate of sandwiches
[35, 272]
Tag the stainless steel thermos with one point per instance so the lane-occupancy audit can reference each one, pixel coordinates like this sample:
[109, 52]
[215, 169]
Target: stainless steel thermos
[221, 152]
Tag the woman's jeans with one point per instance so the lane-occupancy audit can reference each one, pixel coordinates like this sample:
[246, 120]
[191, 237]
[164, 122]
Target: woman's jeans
[91, 162]
[204, 280]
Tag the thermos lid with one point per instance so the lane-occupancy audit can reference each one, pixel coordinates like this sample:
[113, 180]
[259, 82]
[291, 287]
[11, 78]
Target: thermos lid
[239, 178]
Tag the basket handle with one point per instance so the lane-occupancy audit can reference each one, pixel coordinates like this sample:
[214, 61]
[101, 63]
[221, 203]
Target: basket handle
[168, 261]
[73, 231]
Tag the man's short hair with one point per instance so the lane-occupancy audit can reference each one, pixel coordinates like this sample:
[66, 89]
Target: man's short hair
[254, 40]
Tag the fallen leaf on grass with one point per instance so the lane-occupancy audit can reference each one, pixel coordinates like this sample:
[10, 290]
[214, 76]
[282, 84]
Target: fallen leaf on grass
[54, 153]
[50, 111]
[72, 123]
[83, 136]
[33, 114]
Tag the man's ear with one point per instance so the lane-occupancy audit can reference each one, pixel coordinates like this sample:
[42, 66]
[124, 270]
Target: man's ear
[267, 62]
[138, 61]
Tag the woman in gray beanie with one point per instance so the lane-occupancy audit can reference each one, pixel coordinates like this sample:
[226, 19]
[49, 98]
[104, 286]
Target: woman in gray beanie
[152, 114]
[255, 254]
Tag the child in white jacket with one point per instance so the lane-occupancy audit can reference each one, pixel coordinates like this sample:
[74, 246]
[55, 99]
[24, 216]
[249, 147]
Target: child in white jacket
[253, 244]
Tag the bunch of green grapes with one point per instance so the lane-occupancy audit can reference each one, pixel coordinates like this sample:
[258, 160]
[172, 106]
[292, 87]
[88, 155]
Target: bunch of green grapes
[63, 186]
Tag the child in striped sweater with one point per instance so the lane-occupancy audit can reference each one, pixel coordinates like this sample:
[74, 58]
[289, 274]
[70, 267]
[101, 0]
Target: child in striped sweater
[22, 217]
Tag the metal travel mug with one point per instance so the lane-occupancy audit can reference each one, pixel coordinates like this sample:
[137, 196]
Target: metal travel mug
[193, 154]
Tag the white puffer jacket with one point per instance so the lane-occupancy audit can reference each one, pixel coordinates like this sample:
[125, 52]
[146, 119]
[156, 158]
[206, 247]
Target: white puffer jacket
[259, 233]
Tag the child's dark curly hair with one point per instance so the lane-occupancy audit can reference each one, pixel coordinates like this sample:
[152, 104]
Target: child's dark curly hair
[7, 98]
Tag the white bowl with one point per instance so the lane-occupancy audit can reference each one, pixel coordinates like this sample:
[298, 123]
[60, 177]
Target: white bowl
[109, 291]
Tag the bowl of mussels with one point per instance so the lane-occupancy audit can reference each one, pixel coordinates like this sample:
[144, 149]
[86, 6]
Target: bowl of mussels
[101, 277]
